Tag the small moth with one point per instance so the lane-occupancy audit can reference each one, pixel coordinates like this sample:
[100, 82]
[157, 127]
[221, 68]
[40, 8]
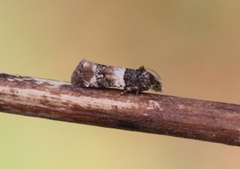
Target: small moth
[89, 74]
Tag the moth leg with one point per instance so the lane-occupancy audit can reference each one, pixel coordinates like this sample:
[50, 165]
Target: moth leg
[122, 93]
[137, 92]
[127, 89]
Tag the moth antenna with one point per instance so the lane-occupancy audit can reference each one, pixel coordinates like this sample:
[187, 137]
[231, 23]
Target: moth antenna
[154, 73]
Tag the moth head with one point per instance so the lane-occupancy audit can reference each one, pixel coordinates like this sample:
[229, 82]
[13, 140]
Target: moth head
[156, 83]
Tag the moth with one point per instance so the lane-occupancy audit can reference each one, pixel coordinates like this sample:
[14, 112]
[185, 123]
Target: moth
[93, 75]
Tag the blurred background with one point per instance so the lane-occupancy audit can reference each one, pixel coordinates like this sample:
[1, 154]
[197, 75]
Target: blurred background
[194, 45]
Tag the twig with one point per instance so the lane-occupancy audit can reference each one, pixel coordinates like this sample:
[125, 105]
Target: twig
[151, 113]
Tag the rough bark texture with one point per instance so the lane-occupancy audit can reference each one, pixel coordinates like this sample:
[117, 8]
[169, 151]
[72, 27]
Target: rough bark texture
[151, 113]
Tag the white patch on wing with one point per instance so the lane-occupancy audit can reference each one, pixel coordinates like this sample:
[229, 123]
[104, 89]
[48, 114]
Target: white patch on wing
[93, 80]
[119, 75]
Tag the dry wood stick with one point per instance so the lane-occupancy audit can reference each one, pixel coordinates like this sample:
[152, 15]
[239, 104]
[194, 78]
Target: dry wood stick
[151, 113]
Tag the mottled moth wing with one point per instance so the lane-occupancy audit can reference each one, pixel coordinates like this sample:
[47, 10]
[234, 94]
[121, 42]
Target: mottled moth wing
[89, 74]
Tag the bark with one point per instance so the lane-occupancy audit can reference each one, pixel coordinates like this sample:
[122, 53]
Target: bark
[151, 113]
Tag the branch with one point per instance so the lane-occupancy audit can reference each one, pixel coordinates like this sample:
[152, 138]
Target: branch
[151, 113]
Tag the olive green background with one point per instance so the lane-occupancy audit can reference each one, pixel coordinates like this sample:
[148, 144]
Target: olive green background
[194, 45]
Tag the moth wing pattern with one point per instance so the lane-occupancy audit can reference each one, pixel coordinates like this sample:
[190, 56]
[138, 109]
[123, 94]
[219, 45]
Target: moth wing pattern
[90, 74]
[83, 76]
